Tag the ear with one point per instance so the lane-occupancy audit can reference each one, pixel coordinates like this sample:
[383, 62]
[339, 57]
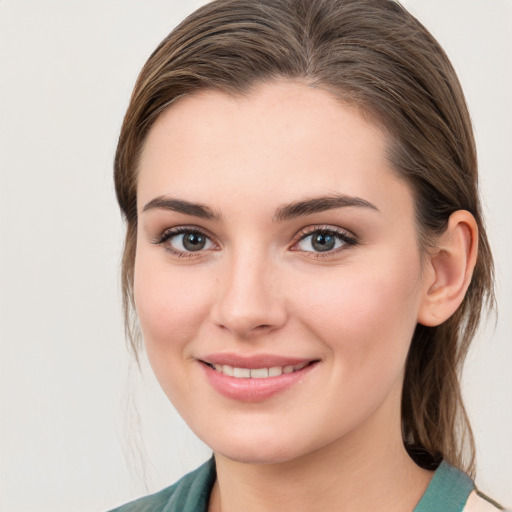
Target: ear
[449, 269]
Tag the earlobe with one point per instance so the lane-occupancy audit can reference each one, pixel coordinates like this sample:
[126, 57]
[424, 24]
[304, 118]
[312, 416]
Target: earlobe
[451, 268]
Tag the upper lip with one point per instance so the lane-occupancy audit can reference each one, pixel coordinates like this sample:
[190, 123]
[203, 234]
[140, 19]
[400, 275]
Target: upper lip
[254, 361]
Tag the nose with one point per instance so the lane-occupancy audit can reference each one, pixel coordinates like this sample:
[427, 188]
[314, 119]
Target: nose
[250, 298]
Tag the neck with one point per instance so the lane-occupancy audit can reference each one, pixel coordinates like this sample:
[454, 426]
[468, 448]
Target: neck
[358, 472]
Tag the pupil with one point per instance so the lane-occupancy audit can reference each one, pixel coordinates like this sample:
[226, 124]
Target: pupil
[194, 241]
[323, 242]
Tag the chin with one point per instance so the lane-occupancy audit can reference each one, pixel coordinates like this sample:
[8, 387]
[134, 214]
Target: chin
[256, 455]
[258, 449]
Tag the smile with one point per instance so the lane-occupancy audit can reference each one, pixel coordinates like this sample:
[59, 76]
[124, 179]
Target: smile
[257, 378]
[256, 373]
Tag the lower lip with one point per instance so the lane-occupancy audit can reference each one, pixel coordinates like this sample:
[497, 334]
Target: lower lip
[253, 390]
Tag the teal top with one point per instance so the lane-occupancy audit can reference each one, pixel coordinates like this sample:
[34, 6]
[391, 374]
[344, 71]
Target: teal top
[448, 491]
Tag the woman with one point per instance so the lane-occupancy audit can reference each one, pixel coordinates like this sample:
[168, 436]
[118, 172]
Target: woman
[306, 256]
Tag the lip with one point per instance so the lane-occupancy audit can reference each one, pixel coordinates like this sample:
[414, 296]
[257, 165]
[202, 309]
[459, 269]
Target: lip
[253, 389]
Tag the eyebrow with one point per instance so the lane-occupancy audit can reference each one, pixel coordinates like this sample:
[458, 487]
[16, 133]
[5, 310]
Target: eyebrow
[285, 212]
[181, 206]
[319, 204]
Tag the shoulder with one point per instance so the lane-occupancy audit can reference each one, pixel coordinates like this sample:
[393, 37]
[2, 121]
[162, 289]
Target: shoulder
[190, 493]
[451, 490]
[152, 503]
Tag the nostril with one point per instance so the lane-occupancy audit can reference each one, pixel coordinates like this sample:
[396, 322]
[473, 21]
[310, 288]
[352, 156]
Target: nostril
[261, 327]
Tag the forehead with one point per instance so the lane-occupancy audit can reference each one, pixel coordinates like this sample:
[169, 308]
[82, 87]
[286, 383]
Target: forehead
[283, 139]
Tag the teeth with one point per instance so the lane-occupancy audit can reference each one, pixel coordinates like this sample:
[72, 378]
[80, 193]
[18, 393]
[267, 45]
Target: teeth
[228, 370]
[275, 371]
[243, 373]
[257, 373]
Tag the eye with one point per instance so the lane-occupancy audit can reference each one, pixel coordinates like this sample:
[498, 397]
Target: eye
[183, 241]
[324, 241]
[190, 241]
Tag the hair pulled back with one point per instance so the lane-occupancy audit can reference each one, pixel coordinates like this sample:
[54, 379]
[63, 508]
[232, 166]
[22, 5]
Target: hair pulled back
[374, 55]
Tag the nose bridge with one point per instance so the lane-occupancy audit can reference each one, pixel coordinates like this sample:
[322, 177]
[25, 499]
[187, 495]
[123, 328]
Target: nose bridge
[249, 298]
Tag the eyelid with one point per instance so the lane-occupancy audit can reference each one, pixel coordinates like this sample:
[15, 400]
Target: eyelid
[177, 230]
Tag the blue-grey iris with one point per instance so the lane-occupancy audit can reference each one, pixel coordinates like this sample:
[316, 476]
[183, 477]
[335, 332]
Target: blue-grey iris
[323, 242]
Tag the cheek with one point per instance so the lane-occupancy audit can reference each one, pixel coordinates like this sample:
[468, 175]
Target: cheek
[367, 315]
[171, 305]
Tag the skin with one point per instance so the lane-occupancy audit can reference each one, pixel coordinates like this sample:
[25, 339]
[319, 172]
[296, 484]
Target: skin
[333, 441]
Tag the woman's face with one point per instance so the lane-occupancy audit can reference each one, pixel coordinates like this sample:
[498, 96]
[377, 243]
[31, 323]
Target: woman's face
[277, 275]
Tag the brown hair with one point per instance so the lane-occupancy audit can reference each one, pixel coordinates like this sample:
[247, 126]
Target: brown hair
[372, 54]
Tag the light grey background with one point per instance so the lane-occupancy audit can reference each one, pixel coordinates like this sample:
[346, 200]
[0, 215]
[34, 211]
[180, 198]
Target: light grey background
[68, 429]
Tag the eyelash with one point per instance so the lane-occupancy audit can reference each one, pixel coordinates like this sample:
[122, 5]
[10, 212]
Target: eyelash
[347, 239]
